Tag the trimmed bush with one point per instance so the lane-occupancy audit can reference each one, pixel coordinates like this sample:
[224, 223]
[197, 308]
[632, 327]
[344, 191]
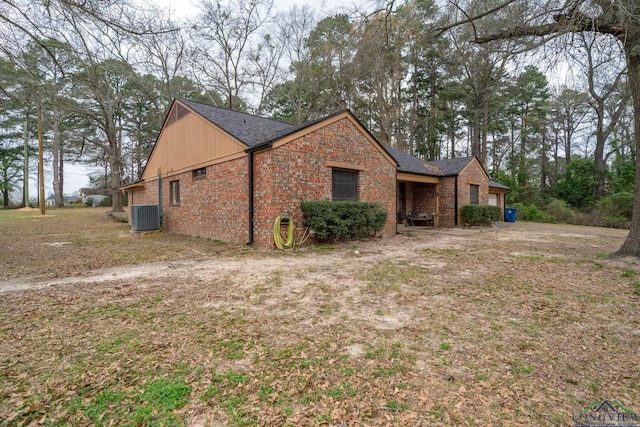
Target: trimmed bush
[343, 220]
[480, 214]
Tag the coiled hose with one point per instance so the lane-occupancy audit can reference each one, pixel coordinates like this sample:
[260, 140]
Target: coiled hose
[289, 243]
[285, 245]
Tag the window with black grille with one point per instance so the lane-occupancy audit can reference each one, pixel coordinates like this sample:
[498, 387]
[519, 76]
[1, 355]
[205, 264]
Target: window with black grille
[474, 194]
[344, 184]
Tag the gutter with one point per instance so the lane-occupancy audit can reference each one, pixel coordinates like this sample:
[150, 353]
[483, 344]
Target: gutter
[250, 186]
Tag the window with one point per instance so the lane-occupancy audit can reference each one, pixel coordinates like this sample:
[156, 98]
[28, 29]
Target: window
[174, 187]
[344, 184]
[199, 173]
[474, 194]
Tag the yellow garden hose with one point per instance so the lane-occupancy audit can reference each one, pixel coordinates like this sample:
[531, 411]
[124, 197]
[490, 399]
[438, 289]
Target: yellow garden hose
[285, 245]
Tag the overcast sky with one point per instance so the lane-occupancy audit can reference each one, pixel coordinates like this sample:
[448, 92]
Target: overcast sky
[76, 176]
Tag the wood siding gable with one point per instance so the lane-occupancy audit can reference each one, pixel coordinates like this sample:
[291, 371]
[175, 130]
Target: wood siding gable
[189, 141]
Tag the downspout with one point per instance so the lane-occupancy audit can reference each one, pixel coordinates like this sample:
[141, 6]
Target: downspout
[160, 200]
[250, 184]
[397, 196]
[455, 207]
[250, 188]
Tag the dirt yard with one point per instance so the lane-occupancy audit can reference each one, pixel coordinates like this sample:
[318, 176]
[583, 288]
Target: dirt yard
[522, 324]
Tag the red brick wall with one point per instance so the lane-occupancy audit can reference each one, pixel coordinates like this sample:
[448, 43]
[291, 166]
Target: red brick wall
[472, 174]
[213, 206]
[423, 198]
[447, 202]
[297, 171]
[216, 205]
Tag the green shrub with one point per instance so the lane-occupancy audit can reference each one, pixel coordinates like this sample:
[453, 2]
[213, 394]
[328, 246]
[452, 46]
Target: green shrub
[612, 211]
[618, 205]
[343, 220]
[480, 214]
[532, 213]
[561, 212]
[107, 201]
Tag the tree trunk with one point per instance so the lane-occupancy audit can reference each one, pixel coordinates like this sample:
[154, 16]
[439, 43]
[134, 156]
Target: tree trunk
[115, 156]
[631, 245]
[452, 134]
[61, 171]
[598, 154]
[544, 165]
[485, 125]
[5, 189]
[25, 176]
[568, 136]
[475, 141]
[57, 188]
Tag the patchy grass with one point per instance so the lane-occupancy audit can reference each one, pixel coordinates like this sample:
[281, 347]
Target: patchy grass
[72, 241]
[512, 326]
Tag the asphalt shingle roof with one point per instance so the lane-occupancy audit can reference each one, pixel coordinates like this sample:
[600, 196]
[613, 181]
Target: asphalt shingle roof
[494, 184]
[412, 164]
[408, 163]
[254, 131]
[251, 130]
[451, 166]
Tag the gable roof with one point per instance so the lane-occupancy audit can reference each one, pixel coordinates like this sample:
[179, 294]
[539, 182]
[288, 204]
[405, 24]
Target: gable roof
[412, 164]
[450, 167]
[256, 132]
[408, 163]
[493, 184]
[249, 129]
[440, 168]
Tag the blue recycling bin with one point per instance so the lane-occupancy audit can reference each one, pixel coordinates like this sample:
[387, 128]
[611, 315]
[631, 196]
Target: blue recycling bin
[510, 214]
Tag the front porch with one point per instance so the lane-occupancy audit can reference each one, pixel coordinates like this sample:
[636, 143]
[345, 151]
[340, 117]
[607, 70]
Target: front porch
[420, 201]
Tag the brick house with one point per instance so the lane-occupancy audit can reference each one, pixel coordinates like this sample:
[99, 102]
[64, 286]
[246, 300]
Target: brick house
[442, 187]
[227, 175]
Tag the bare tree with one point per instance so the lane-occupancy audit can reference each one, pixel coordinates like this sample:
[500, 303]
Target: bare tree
[569, 109]
[221, 39]
[99, 34]
[294, 27]
[379, 49]
[482, 77]
[606, 86]
[547, 20]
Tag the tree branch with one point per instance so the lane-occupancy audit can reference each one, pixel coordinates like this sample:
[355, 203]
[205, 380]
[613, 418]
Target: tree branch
[564, 23]
[441, 30]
